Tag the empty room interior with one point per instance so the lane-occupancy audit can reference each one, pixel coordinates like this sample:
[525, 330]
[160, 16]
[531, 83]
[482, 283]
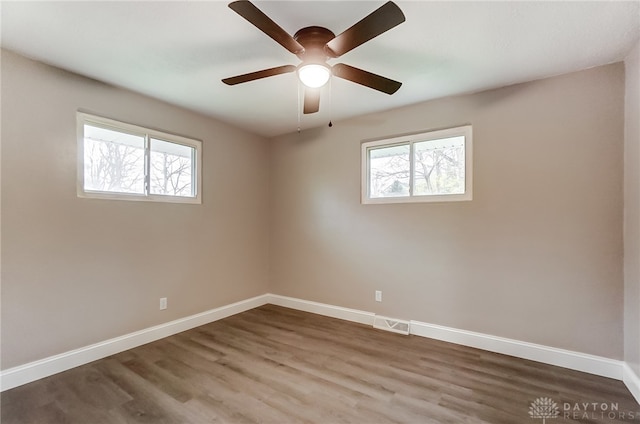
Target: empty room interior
[324, 212]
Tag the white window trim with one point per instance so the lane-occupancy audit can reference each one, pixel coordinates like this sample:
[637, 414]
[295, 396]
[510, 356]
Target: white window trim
[465, 131]
[85, 118]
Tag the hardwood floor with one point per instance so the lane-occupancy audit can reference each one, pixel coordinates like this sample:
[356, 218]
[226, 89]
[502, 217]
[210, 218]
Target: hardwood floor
[277, 365]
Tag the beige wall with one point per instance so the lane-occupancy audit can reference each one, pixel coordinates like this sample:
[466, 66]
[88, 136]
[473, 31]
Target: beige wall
[632, 211]
[537, 254]
[78, 271]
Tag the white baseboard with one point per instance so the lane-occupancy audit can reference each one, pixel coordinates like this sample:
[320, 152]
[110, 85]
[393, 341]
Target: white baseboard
[346, 314]
[36, 370]
[549, 355]
[632, 381]
[584, 362]
[592, 364]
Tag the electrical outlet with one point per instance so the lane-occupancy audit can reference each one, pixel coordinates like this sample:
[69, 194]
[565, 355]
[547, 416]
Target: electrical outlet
[378, 295]
[163, 303]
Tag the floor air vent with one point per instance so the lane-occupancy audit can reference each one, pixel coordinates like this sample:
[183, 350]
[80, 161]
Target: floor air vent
[391, 324]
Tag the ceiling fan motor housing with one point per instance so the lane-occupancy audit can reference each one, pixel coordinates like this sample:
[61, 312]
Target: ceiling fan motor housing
[314, 40]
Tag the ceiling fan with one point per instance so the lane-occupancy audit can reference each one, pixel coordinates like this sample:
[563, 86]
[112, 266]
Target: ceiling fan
[315, 45]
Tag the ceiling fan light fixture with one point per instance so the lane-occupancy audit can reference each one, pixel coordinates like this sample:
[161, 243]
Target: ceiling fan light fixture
[314, 45]
[314, 75]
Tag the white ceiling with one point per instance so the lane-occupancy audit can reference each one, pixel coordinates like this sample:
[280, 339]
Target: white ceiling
[179, 51]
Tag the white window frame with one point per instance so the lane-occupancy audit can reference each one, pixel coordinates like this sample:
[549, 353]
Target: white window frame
[85, 118]
[465, 131]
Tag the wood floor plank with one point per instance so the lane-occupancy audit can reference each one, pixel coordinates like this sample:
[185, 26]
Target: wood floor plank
[278, 365]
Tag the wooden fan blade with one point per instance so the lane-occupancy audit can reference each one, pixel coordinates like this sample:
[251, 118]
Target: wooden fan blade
[311, 100]
[251, 13]
[381, 20]
[259, 74]
[377, 82]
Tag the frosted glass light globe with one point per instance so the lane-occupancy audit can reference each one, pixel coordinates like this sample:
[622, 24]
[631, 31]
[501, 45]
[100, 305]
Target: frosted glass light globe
[314, 75]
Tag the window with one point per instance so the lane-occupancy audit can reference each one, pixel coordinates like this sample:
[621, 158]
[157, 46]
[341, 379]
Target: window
[124, 161]
[429, 167]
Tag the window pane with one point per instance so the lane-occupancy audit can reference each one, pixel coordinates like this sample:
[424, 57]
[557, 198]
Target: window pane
[389, 170]
[113, 161]
[172, 169]
[439, 166]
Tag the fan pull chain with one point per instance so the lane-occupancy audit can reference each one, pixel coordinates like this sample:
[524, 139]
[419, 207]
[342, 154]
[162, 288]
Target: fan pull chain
[330, 102]
[299, 105]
